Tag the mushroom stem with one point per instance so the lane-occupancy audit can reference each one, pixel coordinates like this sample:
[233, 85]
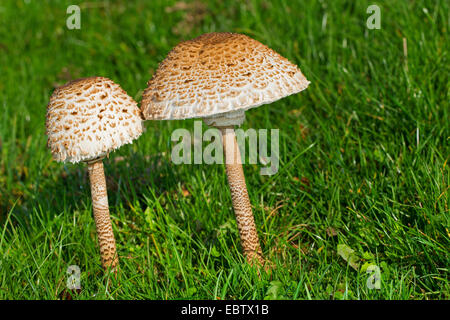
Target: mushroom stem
[105, 234]
[239, 196]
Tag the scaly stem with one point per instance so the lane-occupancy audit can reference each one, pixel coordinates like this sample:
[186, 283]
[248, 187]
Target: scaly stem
[105, 233]
[239, 196]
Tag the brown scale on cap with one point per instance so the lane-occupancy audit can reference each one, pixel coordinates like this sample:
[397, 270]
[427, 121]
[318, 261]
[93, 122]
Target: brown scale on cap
[88, 118]
[217, 73]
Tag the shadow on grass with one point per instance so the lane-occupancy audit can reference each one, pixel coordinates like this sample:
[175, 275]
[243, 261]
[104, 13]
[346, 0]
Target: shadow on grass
[127, 179]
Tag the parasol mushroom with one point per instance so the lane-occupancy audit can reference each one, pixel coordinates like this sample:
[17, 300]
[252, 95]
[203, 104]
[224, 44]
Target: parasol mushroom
[217, 77]
[86, 119]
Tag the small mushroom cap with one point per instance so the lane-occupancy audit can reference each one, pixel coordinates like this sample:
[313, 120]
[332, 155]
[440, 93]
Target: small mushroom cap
[88, 118]
[218, 73]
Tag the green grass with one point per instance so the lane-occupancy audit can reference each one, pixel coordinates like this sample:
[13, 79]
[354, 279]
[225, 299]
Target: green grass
[364, 156]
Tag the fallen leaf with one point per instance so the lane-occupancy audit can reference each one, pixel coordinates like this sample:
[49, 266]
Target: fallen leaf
[349, 255]
[185, 192]
[331, 232]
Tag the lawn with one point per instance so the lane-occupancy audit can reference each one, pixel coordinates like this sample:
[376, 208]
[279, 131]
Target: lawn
[363, 178]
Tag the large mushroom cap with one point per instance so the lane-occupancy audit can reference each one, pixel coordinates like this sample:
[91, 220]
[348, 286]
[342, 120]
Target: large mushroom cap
[88, 118]
[218, 73]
